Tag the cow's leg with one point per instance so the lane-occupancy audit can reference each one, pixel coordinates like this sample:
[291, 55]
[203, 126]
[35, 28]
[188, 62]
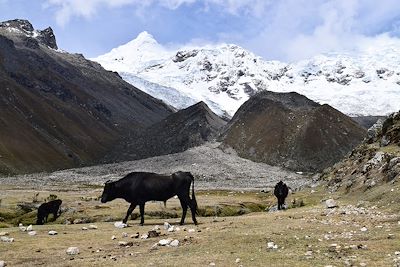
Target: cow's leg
[141, 206]
[279, 203]
[193, 211]
[129, 212]
[46, 217]
[184, 203]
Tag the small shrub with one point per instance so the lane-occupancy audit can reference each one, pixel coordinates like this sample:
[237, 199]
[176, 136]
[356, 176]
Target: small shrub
[51, 197]
[297, 203]
[35, 198]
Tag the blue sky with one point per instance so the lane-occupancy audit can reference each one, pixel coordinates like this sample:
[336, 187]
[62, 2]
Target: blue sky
[285, 30]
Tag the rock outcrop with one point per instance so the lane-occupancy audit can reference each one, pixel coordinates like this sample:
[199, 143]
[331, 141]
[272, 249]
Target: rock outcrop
[376, 161]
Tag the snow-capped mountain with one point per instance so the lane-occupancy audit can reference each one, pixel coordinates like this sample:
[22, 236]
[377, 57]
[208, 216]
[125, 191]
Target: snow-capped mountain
[224, 76]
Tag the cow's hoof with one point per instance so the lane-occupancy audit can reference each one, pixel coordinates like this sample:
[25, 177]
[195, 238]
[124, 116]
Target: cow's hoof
[181, 223]
[196, 223]
[141, 224]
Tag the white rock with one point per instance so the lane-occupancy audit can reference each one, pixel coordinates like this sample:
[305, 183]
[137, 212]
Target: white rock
[6, 239]
[120, 225]
[272, 245]
[330, 203]
[397, 253]
[73, 251]
[171, 229]
[164, 242]
[364, 229]
[237, 260]
[308, 253]
[191, 230]
[22, 228]
[156, 228]
[29, 228]
[166, 225]
[122, 243]
[32, 233]
[178, 229]
[362, 264]
[3, 233]
[52, 232]
[174, 243]
[113, 237]
[154, 246]
[212, 264]
[144, 236]
[93, 227]
[3, 264]
[84, 228]
[124, 234]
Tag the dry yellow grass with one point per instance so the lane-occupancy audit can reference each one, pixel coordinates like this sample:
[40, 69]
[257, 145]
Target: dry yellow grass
[221, 240]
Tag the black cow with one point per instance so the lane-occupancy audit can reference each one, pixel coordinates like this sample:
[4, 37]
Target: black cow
[281, 191]
[139, 187]
[46, 208]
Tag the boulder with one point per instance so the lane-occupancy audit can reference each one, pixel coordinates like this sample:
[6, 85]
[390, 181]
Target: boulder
[52, 232]
[174, 243]
[6, 239]
[164, 242]
[72, 251]
[32, 233]
[330, 203]
[120, 225]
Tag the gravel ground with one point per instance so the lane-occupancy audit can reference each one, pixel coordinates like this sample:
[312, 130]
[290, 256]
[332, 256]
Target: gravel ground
[212, 168]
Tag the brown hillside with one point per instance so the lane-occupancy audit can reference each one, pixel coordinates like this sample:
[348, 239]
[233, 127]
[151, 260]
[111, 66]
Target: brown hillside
[178, 132]
[59, 110]
[288, 129]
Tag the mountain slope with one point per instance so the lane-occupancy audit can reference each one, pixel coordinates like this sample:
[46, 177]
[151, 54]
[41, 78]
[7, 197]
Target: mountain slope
[179, 131]
[59, 110]
[225, 76]
[374, 162]
[289, 130]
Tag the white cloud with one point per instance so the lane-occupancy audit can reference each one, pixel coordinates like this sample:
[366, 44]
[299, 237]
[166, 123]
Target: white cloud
[298, 29]
[66, 9]
[285, 29]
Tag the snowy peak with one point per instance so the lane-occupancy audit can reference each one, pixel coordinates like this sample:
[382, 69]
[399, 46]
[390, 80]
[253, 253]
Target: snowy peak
[224, 76]
[135, 55]
[25, 28]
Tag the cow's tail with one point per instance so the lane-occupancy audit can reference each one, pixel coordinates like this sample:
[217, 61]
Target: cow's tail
[194, 202]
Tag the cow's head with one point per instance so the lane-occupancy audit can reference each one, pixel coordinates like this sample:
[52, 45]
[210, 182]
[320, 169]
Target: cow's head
[108, 192]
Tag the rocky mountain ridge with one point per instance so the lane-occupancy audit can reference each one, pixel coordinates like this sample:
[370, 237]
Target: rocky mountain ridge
[224, 76]
[178, 132]
[60, 110]
[374, 162]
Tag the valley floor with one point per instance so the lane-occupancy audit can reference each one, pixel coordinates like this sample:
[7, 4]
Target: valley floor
[363, 231]
[235, 229]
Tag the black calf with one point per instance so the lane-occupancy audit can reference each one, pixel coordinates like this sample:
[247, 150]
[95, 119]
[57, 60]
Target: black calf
[51, 207]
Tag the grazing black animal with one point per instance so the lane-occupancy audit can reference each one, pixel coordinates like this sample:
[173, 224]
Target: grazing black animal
[46, 208]
[139, 187]
[281, 191]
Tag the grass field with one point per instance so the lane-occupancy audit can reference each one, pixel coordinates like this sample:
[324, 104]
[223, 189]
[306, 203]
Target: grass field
[234, 230]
